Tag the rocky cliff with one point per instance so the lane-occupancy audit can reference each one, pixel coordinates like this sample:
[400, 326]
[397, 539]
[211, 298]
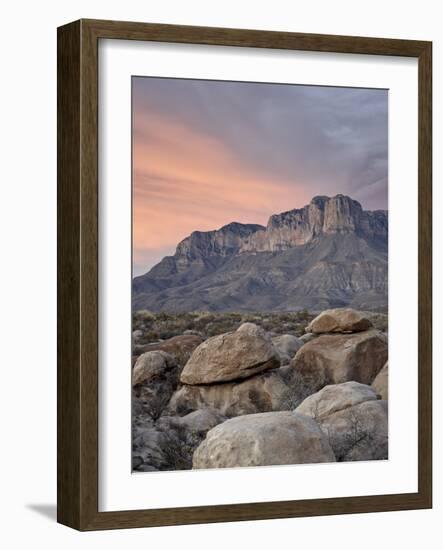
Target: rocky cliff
[330, 253]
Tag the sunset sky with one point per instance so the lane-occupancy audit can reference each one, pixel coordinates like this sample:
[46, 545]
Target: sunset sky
[206, 153]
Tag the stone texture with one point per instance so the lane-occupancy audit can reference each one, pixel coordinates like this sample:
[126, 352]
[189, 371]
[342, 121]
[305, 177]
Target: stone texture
[305, 338]
[353, 418]
[338, 358]
[339, 320]
[336, 397]
[154, 378]
[169, 443]
[231, 356]
[380, 383]
[153, 366]
[269, 391]
[359, 432]
[152, 447]
[323, 215]
[262, 440]
[199, 421]
[287, 346]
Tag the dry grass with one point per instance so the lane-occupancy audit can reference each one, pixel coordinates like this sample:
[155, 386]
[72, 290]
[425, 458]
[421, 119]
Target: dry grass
[161, 326]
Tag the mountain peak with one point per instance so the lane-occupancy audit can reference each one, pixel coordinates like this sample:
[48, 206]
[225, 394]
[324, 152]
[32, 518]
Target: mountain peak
[322, 216]
[340, 248]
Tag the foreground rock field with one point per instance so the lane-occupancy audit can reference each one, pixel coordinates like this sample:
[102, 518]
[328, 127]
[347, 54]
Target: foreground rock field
[229, 390]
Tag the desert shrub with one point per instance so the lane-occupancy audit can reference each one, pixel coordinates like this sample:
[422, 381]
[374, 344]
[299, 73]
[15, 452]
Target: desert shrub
[357, 435]
[152, 404]
[179, 448]
[221, 326]
[150, 336]
[300, 386]
[144, 315]
[303, 315]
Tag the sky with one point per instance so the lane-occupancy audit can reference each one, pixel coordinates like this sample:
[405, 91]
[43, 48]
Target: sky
[206, 153]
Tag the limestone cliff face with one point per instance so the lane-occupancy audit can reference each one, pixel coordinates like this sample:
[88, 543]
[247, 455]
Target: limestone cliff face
[223, 242]
[322, 216]
[330, 253]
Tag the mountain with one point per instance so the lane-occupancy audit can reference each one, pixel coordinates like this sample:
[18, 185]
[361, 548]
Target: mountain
[330, 253]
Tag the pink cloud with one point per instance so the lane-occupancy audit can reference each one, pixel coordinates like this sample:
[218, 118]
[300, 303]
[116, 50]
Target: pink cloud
[186, 181]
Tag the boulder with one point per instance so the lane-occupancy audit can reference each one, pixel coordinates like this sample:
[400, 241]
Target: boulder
[335, 398]
[380, 383]
[305, 338]
[379, 320]
[231, 356]
[287, 346]
[353, 418]
[338, 358]
[359, 432]
[154, 378]
[153, 366]
[156, 449]
[339, 320]
[199, 421]
[180, 347]
[263, 439]
[268, 391]
[150, 450]
[169, 443]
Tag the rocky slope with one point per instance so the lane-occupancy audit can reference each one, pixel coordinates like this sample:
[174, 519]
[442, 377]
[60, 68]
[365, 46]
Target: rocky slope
[330, 253]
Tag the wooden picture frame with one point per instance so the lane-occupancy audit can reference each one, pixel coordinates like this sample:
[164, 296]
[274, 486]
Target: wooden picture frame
[78, 274]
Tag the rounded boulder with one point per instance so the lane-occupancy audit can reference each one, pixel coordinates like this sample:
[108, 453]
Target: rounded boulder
[263, 439]
[231, 356]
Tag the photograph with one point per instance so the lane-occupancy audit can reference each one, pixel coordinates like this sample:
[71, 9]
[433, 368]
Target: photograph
[260, 274]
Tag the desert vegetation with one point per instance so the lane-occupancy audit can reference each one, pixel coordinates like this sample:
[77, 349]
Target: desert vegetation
[150, 327]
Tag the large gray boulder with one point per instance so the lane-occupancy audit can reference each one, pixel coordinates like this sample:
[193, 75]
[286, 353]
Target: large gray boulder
[353, 418]
[359, 432]
[338, 358]
[380, 383]
[335, 398]
[231, 356]
[262, 440]
[339, 320]
[287, 346]
[268, 391]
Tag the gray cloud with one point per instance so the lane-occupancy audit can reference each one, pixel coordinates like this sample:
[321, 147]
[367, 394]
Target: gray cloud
[332, 140]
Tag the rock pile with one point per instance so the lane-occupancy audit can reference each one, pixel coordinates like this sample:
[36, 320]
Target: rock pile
[236, 373]
[245, 398]
[346, 348]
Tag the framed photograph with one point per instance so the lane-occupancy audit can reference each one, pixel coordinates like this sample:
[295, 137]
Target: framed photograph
[244, 274]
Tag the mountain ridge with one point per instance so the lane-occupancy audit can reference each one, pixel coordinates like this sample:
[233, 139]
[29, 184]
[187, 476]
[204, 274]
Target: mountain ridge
[330, 253]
